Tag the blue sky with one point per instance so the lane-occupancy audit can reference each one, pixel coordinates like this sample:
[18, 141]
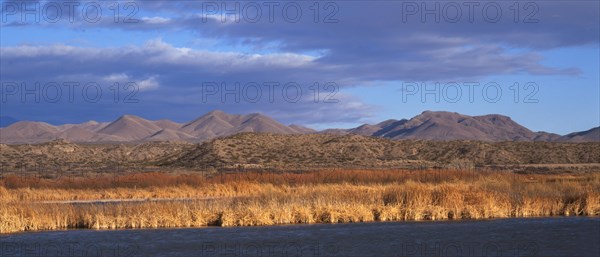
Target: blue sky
[180, 56]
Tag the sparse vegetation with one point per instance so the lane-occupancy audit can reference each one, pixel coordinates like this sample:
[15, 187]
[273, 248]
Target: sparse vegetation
[256, 151]
[262, 198]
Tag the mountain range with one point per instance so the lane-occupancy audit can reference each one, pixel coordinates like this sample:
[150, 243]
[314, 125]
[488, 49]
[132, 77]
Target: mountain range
[429, 125]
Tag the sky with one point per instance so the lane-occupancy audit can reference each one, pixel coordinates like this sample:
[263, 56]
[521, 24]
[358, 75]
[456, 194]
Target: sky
[320, 64]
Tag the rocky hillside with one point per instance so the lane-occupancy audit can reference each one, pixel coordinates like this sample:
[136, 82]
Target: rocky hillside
[326, 150]
[60, 155]
[290, 152]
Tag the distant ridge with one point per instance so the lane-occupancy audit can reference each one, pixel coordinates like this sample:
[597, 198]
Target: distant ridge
[219, 123]
[28, 131]
[429, 125]
[454, 126]
[592, 135]
[446, 126]
[131, 128]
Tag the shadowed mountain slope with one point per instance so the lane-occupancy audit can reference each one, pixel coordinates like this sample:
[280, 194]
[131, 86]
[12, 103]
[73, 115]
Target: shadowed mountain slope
[429, 125]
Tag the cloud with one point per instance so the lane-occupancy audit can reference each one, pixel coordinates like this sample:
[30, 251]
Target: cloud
[367, 42]
[120, 77]
[171, 77]
[393, 45]
[360, 46]
[155, 20]
[154, 57]
[150, 83]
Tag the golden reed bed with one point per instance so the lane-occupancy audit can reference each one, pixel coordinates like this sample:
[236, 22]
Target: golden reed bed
[254, 199]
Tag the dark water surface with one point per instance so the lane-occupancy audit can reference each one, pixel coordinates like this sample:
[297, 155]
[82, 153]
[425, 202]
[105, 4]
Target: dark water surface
[504, 237]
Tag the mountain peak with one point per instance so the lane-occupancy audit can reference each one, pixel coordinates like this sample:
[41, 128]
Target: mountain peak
[90, 122]
[439, 114]
[254, 116]
[130, 128]
[217, 113]
[129, 117]
[429, 125]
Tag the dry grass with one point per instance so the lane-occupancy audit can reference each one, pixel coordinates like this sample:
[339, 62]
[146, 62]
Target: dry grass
[317, 197]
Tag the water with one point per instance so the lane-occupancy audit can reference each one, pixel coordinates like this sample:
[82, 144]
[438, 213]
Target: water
[505, 237]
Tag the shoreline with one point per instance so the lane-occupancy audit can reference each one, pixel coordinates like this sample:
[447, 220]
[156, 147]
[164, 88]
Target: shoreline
[294, 225]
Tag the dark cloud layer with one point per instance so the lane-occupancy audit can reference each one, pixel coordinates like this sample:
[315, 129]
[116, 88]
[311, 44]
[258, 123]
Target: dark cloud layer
[359, 43]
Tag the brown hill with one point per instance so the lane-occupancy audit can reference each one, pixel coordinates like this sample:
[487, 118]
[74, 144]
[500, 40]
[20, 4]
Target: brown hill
[260, 123]
[167, 124]
[209, 125]
[291, 152]
[335, 151]
[334, 131]
[130, 128]
[444, 126]
[365, 130]
[28, 132]
[592, 135]
[62, 156]
[453, 126]
[218, 123]
[301, 129]
[91, 126]
[170, 135]
[76, 134]
[546, 137]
